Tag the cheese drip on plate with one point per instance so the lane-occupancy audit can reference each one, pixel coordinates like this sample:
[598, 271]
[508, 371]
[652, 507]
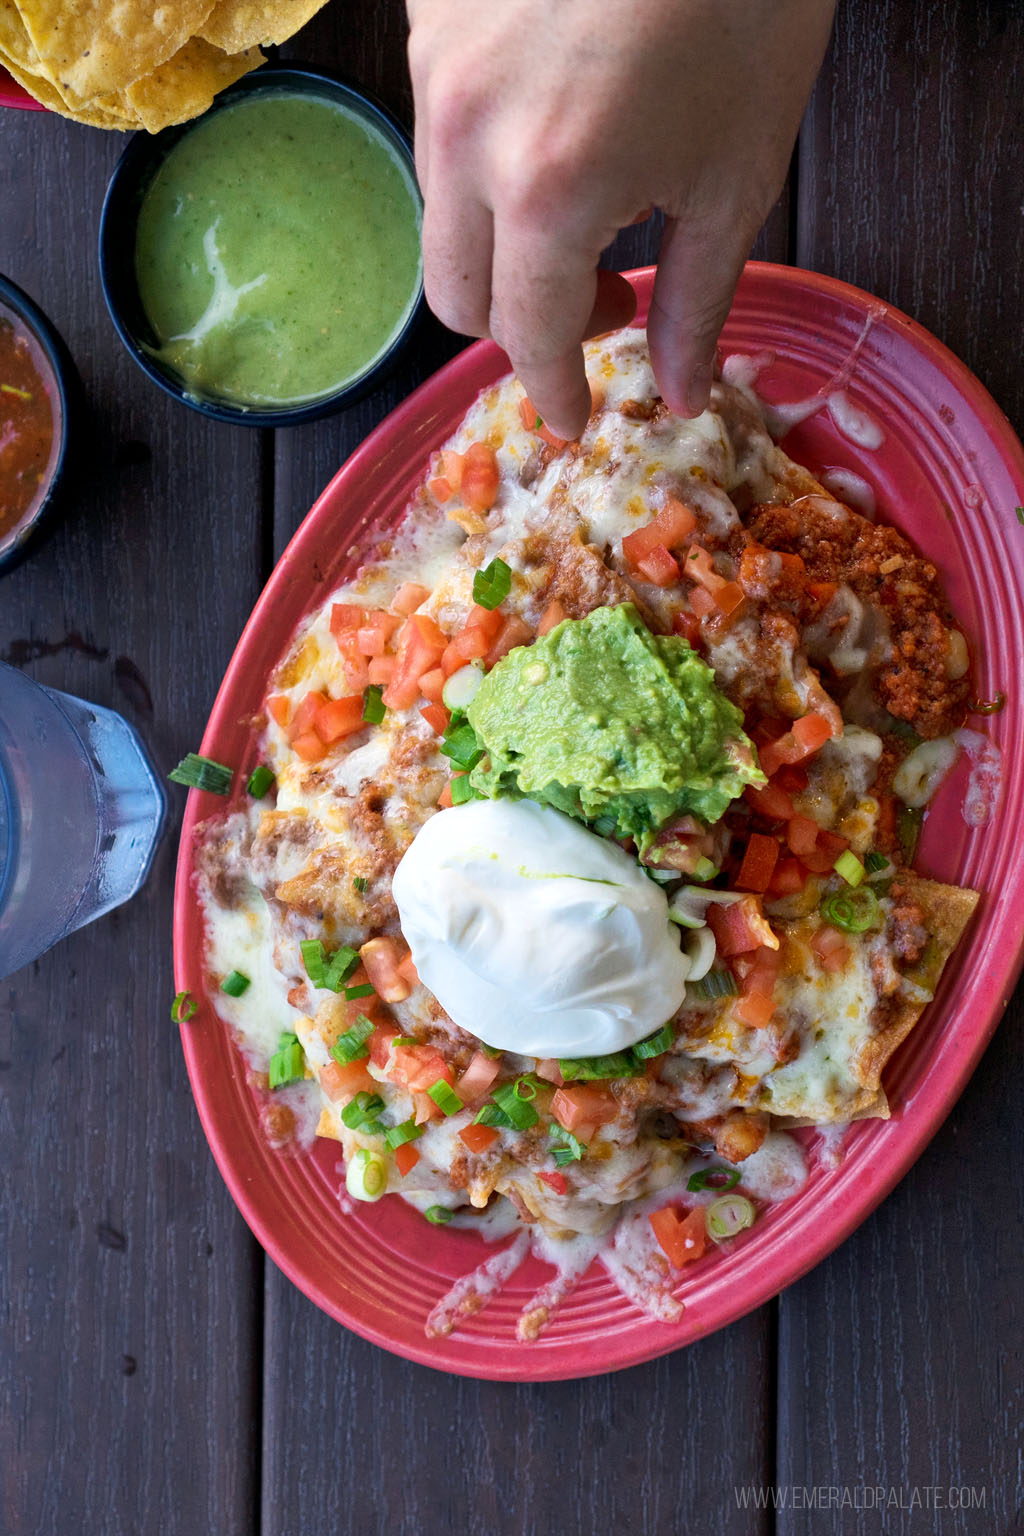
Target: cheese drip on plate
[536, 935]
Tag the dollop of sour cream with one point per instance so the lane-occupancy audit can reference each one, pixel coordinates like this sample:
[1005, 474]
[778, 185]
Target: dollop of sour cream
[536, 935]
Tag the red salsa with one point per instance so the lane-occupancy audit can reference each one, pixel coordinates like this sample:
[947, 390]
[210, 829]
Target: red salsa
[27, 422]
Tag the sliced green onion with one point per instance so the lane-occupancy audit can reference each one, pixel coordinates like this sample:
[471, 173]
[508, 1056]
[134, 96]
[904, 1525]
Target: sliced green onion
[463, 791]
[727, 1216]
[655, 1045]
[525, 1088]
[713, 1178]
[604, 826]
[362, 1111]
[360, 883]
[1020, 514]
[287, 1063]
[566, 1148]
[492, 1115]
[183, 1007]
[440, 1215]
[987, 706]
[461, 688]
[351, 993]
[852, 911]
[197, 772]
[445, 1097]
[593, 1068]
[460, 746]
[234, 983]
[908, 830]
[397, 1135]
[260, 780]
[313, 960]
[874, 861]
[340, 967]
[705, 869]
[849, 867]
[493, 584]
[351, 1046]
[373, 704]
[717, 983]
[520, 1115]
[366, 1177]
[397, 1040]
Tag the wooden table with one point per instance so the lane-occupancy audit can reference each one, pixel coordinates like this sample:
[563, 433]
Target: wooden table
[159, 1374]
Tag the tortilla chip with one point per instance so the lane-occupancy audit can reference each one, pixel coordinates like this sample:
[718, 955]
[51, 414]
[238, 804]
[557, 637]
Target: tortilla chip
[94, 115]
[234, 25]
[187, 84]
[95, 47]
[15, 43]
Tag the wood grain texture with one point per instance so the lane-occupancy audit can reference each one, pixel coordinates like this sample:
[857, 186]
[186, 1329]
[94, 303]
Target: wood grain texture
[900, 1362]
[129, 1286]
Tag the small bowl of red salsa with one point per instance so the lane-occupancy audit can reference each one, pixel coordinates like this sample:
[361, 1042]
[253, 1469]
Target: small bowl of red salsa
[36, 385]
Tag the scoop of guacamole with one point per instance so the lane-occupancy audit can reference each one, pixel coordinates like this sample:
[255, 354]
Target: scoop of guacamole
[610, 723]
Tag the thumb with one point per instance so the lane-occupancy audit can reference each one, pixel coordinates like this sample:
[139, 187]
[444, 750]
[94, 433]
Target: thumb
[698, 269]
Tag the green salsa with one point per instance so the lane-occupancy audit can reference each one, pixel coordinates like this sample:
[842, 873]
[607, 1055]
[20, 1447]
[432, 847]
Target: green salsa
[278, 251]
[603, 719]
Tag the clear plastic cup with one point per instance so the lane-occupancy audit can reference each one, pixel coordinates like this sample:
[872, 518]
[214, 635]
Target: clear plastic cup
[81, 812]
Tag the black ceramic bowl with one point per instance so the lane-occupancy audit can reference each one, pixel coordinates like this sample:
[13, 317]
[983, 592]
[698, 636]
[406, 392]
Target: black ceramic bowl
[55, 366]
[128, 186]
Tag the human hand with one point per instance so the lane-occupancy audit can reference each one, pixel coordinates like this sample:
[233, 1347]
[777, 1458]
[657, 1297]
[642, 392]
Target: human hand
[545, 126]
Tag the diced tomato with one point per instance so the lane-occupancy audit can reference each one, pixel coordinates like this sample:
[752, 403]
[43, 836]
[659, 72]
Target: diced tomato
[760, 972]
[515, 631]
[420, 649]
[754, 1009]
[279, 708]
[812, 731]
[788, 877]
[470, 645]
[550, 1071]
[437, 717]
[382, 958]
[759, 860]
[409, 597]
[339, 717]
[802, 835]
[444, 799]
[407, 970]
[478, 1137]
[344, 1080]
[729, 596]
[584, 1104]
[304, 716]
[832, 843]
[440, 489]
[831, 948]
[452, 465]
[668, 530]
[702, 603]
[786, 749]
[553, 615]
[698, 566]
[357, 672]
[791, 778]
[309, 747]
[406, 1158]
[687, 625]
[381, 670]
[739, 926]
[771, 801]
[489, 620]
[480, 477]
[532, 422]
[818, 862]
[425, 1108]
[432, 685]
[477, 1078]
[418, 1067]
[556, 1181]
[372, 638]
[659, 566]
[681, 1239]
[380, 1044]
[346, 616]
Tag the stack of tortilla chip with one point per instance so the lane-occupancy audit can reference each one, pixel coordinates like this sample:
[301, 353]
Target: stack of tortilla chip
[133, 64]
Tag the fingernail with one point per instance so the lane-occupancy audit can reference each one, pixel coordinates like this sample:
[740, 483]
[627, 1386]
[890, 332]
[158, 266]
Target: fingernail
[699, 389]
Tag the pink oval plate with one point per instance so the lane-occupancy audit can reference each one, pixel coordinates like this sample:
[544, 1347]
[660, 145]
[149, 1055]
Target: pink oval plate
[950, 472]
[14, 95]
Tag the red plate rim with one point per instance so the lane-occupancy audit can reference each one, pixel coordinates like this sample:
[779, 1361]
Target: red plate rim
[976, 455]
[14, 95]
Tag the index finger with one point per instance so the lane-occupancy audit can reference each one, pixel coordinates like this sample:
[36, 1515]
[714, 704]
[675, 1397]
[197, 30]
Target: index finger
[545, 301]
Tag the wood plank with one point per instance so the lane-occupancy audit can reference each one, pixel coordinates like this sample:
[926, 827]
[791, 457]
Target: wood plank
[129, 1360]
[405, 1449]
[899, 1359]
